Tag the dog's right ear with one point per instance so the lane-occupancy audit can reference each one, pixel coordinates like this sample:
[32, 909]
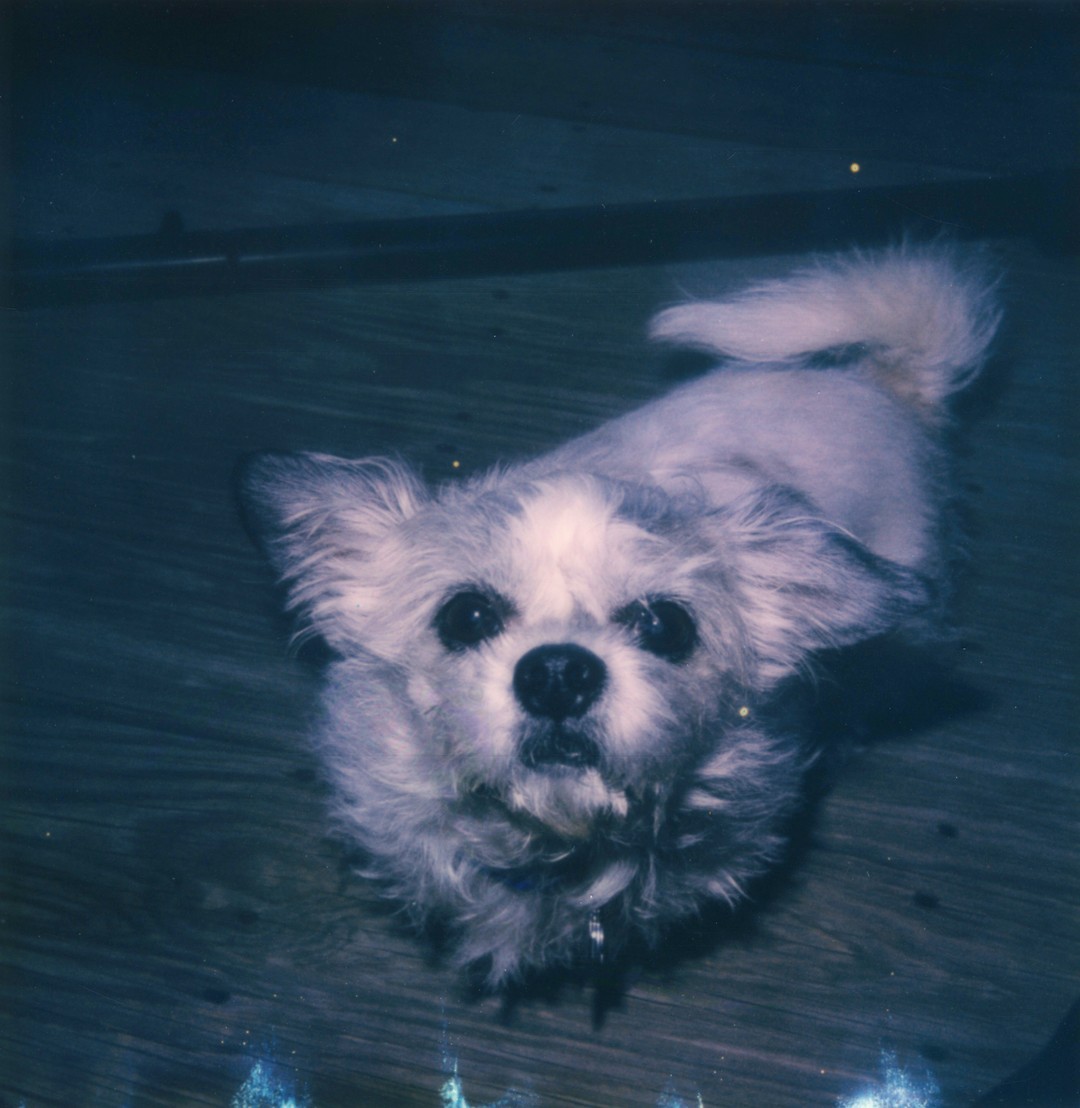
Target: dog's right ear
[805, 584]
[317, 519]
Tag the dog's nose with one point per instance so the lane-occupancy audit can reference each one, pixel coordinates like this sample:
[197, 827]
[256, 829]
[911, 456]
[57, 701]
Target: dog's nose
[558, 681]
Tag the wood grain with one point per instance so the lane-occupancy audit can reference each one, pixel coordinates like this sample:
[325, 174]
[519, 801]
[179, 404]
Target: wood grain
[173, 895]
[173, 910]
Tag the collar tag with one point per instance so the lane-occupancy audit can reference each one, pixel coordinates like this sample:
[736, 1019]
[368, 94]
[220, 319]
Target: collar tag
[596, 938]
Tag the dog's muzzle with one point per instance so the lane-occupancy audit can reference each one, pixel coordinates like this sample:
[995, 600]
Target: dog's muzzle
[557, 684]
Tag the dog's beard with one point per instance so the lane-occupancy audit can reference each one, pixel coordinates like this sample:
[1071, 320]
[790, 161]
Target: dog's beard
[557, 807]
[562, 831]
[561, 792]
[571, 805]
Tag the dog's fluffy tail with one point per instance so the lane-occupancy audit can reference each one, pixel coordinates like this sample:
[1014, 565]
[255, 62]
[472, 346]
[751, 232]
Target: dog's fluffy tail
[921, 317]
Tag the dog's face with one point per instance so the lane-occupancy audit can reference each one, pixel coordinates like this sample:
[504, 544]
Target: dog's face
[571, 652]
[570, 647]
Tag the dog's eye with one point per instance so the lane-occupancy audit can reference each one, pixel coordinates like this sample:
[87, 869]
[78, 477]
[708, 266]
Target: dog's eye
[468, 619]
[662, 627]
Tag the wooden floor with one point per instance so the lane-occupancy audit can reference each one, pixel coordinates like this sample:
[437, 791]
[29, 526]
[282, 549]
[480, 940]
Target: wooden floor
[175, 923]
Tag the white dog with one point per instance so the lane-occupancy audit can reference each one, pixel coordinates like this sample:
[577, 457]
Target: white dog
[550, 720]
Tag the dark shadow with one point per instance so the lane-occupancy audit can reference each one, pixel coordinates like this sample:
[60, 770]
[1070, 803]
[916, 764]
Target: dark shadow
[1051, 1079]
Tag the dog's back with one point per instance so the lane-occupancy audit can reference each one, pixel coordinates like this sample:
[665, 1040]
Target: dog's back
[854, 431]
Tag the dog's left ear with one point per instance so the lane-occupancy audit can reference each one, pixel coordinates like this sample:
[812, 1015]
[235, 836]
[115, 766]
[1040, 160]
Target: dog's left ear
[318, 519]
[806, 585]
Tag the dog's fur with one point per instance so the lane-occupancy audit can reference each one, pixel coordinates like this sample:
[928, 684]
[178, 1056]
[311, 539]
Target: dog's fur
[549, 713]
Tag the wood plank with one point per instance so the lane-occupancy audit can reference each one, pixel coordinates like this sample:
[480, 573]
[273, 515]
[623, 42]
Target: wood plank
[173, 910]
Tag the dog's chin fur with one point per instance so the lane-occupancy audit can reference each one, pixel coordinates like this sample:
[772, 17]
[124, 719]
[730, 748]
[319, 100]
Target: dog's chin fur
[593, 746]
